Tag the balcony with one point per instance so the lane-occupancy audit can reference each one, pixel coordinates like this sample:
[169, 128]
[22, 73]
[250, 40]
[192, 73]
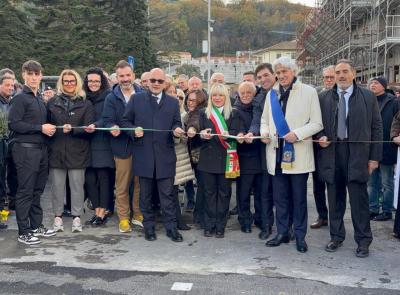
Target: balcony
[391, 33]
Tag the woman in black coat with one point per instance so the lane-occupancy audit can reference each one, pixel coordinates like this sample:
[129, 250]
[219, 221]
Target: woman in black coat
[69, 148]
[100, 174]
[249, 158]
[218, 117]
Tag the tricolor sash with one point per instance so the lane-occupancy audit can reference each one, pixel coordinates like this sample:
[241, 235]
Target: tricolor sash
[232, 169]
[282, 128]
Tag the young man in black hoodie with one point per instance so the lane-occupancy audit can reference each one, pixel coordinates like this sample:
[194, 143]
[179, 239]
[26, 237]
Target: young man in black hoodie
[381, 180]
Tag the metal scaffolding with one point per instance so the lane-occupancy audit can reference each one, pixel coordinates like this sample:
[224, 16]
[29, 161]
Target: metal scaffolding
[365, 31]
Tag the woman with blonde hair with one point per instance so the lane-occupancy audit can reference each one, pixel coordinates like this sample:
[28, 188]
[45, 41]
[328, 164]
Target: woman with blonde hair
[69, 148]
[218, 160]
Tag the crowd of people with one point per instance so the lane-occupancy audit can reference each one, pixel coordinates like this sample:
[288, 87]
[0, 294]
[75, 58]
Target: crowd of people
[138, 142]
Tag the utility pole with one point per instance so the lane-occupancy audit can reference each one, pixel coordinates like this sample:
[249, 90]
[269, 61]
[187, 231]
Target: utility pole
[209, 46]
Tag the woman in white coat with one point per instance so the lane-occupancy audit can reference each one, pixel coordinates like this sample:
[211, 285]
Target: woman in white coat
[291, 116]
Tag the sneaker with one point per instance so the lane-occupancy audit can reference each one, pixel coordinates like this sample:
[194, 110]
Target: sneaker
[76, 225]
[41, 231]
[124, 226]
[28, 239]
[3, 225]
[138, 220]
[58, 224]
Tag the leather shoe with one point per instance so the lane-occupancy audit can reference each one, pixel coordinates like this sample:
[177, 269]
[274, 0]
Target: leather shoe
[219, 234]
[265, 233]
[174, 235]
[234, 211]
[277, 241]
[396, 235]
[333, 246]
[372, 215]
[362, 252]
[383, 216]
[301, 246]
[150, 235]
[183, 226]
[208, 233]
[246, 229]
[319, 223]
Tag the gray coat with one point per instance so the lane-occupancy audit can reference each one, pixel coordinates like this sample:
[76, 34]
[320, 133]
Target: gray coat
[364, 123]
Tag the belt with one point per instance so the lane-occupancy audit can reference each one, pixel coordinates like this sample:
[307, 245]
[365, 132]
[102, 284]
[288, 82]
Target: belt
[31, 145]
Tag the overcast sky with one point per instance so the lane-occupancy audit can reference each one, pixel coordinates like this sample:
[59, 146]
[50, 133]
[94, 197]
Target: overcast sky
[306, 2]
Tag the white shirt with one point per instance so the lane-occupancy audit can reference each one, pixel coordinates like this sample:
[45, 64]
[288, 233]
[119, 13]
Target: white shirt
[349, 92]
[128, 97]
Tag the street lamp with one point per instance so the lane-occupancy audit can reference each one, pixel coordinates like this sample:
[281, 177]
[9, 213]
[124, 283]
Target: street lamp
[210, 29]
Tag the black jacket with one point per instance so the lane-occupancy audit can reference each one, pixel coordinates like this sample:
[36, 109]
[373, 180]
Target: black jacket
[249, 154]
[364, 123]
[101, 155]
[212, 153]
[389, 106]
[26, 116]
[113, 112]
[70, 150]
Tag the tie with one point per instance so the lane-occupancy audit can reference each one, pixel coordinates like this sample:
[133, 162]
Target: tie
[341, 129]
[156, 98]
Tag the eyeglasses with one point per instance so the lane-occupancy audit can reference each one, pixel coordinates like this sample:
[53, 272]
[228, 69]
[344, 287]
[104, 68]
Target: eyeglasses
[329, 77]
[69, 82]
[159, 81]
[94, 82]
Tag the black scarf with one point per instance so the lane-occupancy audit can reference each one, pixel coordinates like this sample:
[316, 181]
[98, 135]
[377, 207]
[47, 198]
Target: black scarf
[285, 95]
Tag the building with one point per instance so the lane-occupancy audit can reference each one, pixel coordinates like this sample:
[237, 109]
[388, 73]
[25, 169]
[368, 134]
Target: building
[364, 31]
[270, 54]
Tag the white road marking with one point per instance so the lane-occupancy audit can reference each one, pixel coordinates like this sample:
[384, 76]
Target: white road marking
[178, 286]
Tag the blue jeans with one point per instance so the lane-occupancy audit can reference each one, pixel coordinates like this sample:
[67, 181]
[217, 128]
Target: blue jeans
[381, 183]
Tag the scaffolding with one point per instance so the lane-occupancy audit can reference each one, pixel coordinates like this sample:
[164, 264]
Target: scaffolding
[365, 31]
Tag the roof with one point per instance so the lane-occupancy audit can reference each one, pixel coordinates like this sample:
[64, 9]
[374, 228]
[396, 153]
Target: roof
[285, 45]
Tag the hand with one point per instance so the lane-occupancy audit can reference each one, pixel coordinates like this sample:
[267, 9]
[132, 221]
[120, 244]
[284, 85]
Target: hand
[265, 138]
[206, 133]
[48, 129]
[323, 141]
[396, 140]
[90, 129]
[191, 132]
[178, 132]
[372, 165]
[241, 138]
[291, 137]
[248, 138]
[115, 131]
[139, 132]
[67, 128]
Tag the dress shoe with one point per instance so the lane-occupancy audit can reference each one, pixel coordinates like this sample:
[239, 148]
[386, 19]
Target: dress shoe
[301, 246]
[234, 211]
[333, 246]
[265, 233]
[219, 234]
[319, 223]
[183, 226]
[246, 229]
[277, 241]
[208, 233]
[362, 252]
[396, 235]
[174, 235]
[150, 235]
[383, 216]
[372, 215]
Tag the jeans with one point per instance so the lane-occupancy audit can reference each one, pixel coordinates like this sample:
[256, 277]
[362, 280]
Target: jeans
[381, 183]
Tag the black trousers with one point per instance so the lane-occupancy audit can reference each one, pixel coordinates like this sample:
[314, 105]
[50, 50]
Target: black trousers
[290, 190]
[359, 201]
[319, 196]
[267, 201]
[199, 207]
[3, 166]
[12, 182]
[165, 187]
[396, 228]
[245, 184]
[32, 173]
[99, 186]
[217, 192]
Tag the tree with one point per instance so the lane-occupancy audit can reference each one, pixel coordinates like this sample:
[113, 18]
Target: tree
[189, 70]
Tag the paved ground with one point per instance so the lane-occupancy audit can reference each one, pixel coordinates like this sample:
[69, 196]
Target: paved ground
[103, 261]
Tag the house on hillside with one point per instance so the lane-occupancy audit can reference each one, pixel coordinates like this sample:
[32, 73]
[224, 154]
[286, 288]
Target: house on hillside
[269, 54]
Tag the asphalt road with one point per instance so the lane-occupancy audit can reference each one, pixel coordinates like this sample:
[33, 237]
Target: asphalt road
[103, 261]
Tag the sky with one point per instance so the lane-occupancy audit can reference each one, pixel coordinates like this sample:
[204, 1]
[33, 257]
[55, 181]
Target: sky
[306, 2]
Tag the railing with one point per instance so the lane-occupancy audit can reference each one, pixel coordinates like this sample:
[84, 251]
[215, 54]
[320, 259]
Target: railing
[391, 33]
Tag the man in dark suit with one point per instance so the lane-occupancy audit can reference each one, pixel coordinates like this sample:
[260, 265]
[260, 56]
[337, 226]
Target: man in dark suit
[350, 115]
[154, 151]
